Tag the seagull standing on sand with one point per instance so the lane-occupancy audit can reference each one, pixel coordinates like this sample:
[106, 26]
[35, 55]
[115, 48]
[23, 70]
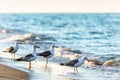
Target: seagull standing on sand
[75, 63]
[47, 54]
[29, 57]
[13, 49]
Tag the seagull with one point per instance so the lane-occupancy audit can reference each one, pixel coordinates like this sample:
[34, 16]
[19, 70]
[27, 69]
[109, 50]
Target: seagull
[47, 54]
[13, 49]
[29, 57]
[75, 63]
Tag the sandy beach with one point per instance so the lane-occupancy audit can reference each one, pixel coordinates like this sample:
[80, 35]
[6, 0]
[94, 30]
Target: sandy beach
[8, 73]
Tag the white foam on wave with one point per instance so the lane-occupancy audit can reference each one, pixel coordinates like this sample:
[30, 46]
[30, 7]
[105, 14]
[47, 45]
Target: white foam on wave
[17, 37]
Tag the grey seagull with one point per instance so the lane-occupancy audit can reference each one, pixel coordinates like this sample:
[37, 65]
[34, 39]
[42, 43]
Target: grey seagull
[30, 57]
[75, 63]
[13, 49]
[47, 54]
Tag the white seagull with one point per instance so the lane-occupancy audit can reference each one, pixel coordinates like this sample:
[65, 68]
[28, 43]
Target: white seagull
[29, 57]
[13, 49]
[75, 63]
[47, 54]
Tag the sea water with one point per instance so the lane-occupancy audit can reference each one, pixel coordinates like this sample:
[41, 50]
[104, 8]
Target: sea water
[90, 33]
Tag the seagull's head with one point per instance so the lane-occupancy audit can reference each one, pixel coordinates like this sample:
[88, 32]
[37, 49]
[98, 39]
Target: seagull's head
[85, 58]
[35, 46]
[53, 46]
[18, 42]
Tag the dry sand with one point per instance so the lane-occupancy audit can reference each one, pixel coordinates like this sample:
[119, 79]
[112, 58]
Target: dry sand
[8, 73]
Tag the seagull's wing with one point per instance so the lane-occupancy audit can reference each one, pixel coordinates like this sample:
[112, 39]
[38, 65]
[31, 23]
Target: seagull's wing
[26, 58]
[44, 53]
[29, 56]
[10, 49]
[70, 63]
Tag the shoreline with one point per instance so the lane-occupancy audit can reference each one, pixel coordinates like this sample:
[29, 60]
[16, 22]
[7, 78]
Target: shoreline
[9, 73]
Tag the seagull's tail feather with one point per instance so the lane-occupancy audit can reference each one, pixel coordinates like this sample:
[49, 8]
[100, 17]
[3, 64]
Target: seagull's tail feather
[4, 51]
[62, 64]
[19, 59]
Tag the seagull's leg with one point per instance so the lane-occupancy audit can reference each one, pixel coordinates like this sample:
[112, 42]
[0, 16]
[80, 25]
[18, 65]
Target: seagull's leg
[46, 62]
[29, 65]
[76, 70]
[14, 55]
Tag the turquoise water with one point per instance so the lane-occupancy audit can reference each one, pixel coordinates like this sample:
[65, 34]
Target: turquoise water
[90, 33]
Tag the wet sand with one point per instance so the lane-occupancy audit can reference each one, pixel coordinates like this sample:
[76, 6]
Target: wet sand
[8, 73]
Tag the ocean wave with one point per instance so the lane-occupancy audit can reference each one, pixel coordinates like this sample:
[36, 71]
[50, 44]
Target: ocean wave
[42, 40]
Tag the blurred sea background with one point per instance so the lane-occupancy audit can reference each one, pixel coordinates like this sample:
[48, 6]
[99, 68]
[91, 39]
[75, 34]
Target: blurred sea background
[90, 33]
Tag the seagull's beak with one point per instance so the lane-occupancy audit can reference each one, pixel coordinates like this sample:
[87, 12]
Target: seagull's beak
[87, 60]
